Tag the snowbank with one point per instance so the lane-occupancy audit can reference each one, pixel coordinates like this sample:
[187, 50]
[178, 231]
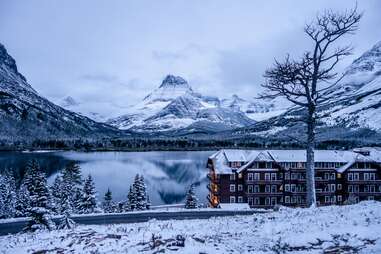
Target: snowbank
[355, 228]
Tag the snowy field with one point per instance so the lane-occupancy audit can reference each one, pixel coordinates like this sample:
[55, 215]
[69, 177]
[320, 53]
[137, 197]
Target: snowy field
[345, 229]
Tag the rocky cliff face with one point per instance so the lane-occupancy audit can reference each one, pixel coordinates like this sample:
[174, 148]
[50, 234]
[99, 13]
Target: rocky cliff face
[25, 115]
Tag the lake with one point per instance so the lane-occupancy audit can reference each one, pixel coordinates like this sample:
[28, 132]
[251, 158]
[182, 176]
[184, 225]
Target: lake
[168, 175]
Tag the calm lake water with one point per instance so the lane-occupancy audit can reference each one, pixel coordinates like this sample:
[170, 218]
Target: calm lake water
[167, 174]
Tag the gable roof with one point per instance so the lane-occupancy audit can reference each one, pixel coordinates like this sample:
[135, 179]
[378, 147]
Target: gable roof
[223, 157]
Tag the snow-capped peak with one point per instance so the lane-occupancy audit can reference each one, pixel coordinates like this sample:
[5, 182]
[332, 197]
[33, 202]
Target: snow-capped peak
[68, 102]
[170, 88]
[174, 81]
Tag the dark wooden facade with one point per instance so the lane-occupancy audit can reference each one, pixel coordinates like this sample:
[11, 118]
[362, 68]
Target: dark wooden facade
[265, 184]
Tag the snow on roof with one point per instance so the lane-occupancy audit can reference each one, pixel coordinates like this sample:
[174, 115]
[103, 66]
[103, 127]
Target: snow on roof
[222, 157]
[320, 155]
[236, 155]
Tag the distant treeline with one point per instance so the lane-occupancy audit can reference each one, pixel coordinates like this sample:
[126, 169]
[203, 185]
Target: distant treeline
[170, 144]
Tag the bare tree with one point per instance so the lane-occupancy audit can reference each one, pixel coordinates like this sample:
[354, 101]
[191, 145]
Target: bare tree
[305, 81]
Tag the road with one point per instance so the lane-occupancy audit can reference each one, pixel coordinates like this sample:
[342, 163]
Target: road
[17, 226]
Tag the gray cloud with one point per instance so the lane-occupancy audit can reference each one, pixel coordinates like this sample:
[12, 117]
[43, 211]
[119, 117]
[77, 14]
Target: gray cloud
[119, 51]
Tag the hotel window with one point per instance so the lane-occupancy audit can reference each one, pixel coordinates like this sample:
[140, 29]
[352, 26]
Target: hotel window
[287, 176]
[240, 187]
[366, 188]
[287, 199]
[257, 176]
[250, 176]
[356, 188]
[370, 198]
[333, 187]
[333, 176]
[293, 164]
[256, 188]
[366, 176]
[294, 176]
[326, 176]
[232, 199]
[273, 188]
[326, 199]
[337, 164]
[333, 199]
[372, 176]
[273, 201]
[269, 165]
[250, 188]
[287, 187]
[293, 200]
[350, 176]
[267, 201]
[339, 198]
[350, 188]
[267, 176]
[372, 188]
[293, 188]
[267, 188]
[273, 176]
[356, 176]
[250, 201]
[299, 199]
[339, 186]
[240, 199]
[232, 177]
[232, 187]
[257, 201]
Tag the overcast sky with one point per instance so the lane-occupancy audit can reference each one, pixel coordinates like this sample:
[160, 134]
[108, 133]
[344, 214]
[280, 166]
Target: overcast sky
[120, 50]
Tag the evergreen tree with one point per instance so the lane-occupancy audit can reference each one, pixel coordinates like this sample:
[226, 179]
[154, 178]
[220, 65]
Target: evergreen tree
[107, 204]
[131, 205]
[72, 185]
[140, 191]
[88, 202]
[191, 199]
[22, 201]
[39, 201]
[7, 195]
[66, 222]
[56, 191]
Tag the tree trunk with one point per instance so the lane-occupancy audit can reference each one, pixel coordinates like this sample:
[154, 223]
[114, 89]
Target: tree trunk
[310, 165]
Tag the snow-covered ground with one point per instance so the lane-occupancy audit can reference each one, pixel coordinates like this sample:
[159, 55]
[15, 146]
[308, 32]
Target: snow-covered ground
[352, 229]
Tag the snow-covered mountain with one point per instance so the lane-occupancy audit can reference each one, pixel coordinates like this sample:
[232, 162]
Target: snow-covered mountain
[356, 99]
[25, 115]
[353, 111]
[99, 111]
[174, 105]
